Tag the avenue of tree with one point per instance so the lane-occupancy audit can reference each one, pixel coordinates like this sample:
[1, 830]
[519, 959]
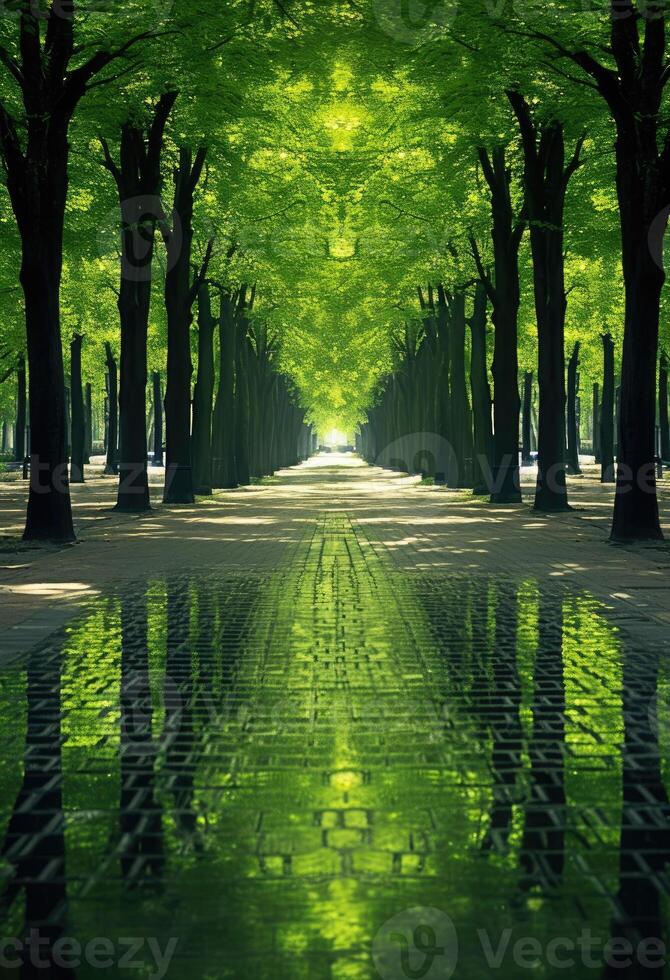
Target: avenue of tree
[226, 228]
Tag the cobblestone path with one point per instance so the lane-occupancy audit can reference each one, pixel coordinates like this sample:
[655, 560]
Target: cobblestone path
[337, 769]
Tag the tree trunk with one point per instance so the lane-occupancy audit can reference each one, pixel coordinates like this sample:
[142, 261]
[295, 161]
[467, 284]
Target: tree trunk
[242, 405]
[481, 395]
[505, 297]
[20, 448]
[596, 422]
[202, 396]
[546, 178]
[607, 412]
[663, 407]
[78, 420]
[224, 470]
[138, 181]
[133, 493]
[461, 417]
[40, 212]
[157, 457]
[112, 461]
[88, 409]
[526, 458]
[179, 298]
[573, 434]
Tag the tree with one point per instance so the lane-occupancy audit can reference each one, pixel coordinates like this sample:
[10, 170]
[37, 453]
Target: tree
[138, 182]
[546, 178]
[51, 80]
[504, 292]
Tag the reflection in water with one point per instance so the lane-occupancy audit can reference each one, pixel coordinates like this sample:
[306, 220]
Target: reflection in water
[33, 849]
[542, 848]
[293, 759]
[140, 819]
[645, 825]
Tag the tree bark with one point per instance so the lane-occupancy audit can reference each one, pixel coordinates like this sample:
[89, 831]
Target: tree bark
[504, 294]
[526, 426]
[157, 456]
[78, 418]
[88, 415]
[224, 470]
[461, 417]
[573, 433]
[596, 422]
[607, 412]
[179, 298]
[203, 395]
[20, 448]
[481, 395]
[242, 402]
[112, 461]
[663, 407]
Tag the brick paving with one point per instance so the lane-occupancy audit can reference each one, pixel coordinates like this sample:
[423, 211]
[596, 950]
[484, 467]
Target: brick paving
[339, 725]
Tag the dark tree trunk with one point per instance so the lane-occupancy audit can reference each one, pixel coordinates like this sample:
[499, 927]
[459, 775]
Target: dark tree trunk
[461, 417]
[179, 298]
[224, 470]
[20, 448]
[505, 296]
[157, 457]
[607, 413]
[138, 181]
[526, 424]
[596, 422]
[88, 409]
[481, 394]
[78, 422]
[546, 178]
[203, 395]
[242, 404]
[112, 461]
[5, 436]
[663, 407]
[573, 433]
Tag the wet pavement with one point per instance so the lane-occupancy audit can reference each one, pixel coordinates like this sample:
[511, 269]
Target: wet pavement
[338, 768]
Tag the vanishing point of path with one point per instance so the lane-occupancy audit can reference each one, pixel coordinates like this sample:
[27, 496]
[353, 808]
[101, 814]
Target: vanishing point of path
[340, 726]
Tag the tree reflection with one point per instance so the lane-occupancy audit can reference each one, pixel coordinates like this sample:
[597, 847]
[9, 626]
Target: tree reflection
[34, 844]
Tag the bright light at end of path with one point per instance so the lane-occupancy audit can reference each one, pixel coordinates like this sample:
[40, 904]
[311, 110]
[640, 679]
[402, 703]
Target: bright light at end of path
[335, 438]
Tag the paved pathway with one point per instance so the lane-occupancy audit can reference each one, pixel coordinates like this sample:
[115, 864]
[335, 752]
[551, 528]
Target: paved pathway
[423, 528]
[341, 726]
